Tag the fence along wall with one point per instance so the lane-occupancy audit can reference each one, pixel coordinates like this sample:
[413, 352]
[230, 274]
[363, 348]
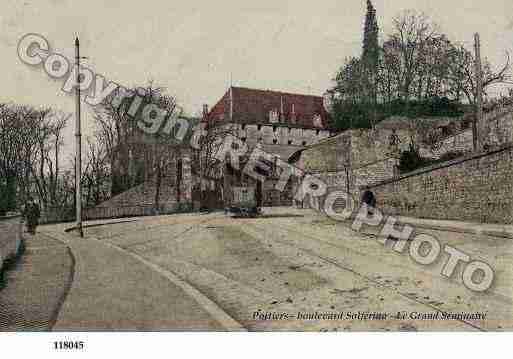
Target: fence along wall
[474, 188]
[10, 238]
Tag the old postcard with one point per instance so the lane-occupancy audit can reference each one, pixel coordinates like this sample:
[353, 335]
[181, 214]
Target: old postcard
[268, 166]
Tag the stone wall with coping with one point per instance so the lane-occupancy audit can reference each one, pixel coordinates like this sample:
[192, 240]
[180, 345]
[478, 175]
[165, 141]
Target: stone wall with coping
[473, 188]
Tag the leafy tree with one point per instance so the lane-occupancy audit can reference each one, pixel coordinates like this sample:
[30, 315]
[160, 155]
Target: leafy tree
[370, 54]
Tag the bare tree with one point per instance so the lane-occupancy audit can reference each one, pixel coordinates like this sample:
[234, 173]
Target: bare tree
[19, 129]
[96, 174]
[45, 164]
[136, 156]
[413, 33]
[31, 141]
[209, 167]
[462, 74]
[166, 152]
[14, 132]
[116, 128]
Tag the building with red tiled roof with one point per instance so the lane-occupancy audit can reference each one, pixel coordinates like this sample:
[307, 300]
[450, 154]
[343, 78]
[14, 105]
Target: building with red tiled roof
[280, 122]
[251, 106]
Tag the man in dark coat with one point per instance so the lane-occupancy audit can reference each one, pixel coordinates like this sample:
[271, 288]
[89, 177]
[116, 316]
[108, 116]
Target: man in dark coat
[32, 212]
[370, 200]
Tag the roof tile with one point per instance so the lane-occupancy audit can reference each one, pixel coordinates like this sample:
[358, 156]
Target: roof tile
[252, 106]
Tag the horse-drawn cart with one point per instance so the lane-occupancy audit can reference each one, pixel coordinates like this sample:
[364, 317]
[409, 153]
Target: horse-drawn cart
[243, 202]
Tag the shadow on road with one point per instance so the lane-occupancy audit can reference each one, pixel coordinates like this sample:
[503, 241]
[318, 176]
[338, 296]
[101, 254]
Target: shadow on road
[277, 215]
[74, 228]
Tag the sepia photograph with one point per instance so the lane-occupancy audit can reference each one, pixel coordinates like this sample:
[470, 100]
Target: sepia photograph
[280, 166]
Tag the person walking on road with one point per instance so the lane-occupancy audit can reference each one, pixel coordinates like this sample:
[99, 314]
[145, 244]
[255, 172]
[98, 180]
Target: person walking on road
[32, 212]
[370, 200]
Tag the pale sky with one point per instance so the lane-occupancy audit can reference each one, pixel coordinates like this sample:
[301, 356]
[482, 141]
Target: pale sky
[191, 47]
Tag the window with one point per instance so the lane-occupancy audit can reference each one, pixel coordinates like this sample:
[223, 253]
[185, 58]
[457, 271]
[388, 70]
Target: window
[317, 132]
[179, 168]
[275, 128]
[273, 116]
[304, 143]
[290, 142]
[275, 141]
[259, 127]
[243, 127]
[243, 139]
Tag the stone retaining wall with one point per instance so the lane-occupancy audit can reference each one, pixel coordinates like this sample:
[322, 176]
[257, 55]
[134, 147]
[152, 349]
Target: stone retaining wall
[474, 188]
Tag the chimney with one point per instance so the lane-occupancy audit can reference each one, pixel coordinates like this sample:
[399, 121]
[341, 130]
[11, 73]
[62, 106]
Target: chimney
[205, 111]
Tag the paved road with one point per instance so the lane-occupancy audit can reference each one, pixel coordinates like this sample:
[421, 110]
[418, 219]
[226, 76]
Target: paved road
[116, 290]
[291, 262]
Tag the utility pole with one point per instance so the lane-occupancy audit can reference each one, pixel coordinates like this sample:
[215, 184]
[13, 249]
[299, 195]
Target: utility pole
[478, 123]
[78, 144]
[231, 100]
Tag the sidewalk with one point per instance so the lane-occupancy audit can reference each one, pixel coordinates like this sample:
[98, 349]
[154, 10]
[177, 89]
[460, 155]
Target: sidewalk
[493, 230]
[114, 290]
[36, 285]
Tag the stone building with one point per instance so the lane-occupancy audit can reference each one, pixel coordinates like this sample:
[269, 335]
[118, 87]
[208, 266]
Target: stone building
[350, 160]
[279, 123]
